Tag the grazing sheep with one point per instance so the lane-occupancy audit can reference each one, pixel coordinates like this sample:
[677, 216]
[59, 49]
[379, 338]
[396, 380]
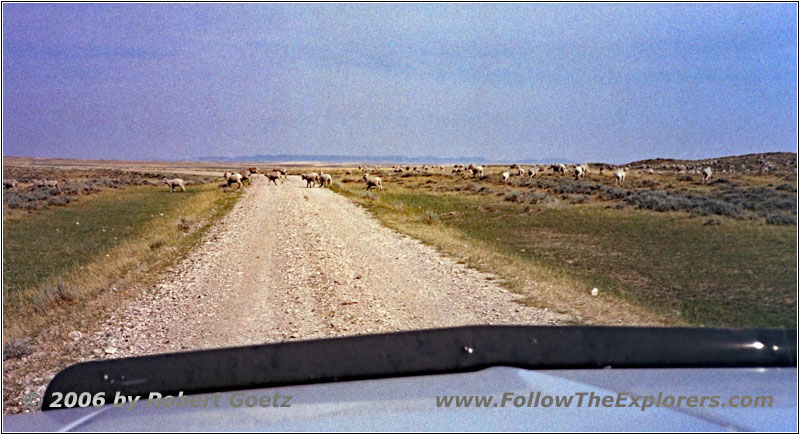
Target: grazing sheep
[325, 179]
[310, 179]
[253, 170]
[476, 170]
[10, 184]
[506, 175]
[706, 174]
[39, 183]
[581, 171]
[174, 184]
[559, 168]
[233, 178]
[273, 176]
[532, 171]
[619, 176]
[373, 182]
[51, 184]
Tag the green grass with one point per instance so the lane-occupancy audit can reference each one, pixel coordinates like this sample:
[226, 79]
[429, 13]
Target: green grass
[734, 274]
[90, 244]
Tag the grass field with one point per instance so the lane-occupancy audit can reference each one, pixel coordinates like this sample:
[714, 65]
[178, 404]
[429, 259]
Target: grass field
[54, 260]
[678, 268]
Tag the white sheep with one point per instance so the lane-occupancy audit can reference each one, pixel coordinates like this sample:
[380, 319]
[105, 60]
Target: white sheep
[373, 182]
[506, 175]
[619, 176]
[10, 184]
[325, 179]
[581, 170]
[706, 174]
[532, 171]
[174, 184]
[52, 184]
[233, 178]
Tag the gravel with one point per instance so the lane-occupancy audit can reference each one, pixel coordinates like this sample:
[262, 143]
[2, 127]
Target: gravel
[296, 263]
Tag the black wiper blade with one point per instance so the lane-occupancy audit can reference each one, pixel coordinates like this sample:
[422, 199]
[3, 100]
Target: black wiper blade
[427, 352]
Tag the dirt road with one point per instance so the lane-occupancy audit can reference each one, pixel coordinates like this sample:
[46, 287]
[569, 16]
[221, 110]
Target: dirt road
[291, 262]
[295, 263]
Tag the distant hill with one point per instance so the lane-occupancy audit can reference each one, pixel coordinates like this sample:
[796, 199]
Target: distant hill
[336, 158]
[752, 161]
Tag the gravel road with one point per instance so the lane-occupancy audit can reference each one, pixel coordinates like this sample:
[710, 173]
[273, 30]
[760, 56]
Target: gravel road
[297, 263]
[294, 263]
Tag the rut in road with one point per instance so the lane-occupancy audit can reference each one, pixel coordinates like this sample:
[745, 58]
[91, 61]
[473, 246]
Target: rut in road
[292, 262]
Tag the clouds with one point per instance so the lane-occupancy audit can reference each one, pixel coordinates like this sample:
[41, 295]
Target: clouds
[598, 82]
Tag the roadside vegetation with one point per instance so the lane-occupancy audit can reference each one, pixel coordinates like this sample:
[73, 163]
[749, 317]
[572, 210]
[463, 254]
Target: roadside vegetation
[662, 249]
[57, 261]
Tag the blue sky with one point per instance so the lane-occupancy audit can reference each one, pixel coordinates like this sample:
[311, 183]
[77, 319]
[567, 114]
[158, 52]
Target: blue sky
[587, 82]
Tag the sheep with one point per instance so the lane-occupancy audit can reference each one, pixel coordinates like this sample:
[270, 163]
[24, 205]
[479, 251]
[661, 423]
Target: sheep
[476, 170]
[373, 182]
[310, 179]
[532, 171]
[619, 176]
[51, 184]
[274, 175]
[325, 179]
[246, 176]
[581, 170]
[559, 168]
[506, 174]
[233, 178]
[10, 184]
[520, 171]
[39, 183]
[706, 174]
[174, 184]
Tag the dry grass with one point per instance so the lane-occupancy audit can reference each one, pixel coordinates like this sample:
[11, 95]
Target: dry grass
[54, 268]
[719, 254]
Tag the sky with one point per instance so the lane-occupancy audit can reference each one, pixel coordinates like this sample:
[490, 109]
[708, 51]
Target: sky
[584, 82]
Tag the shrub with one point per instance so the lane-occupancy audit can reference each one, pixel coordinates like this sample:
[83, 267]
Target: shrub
[611, 192]
[539, 197]
[576, 199]
[781, 219]
[429, 218]
[184, 224]
[512, 196]
[17, 348]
